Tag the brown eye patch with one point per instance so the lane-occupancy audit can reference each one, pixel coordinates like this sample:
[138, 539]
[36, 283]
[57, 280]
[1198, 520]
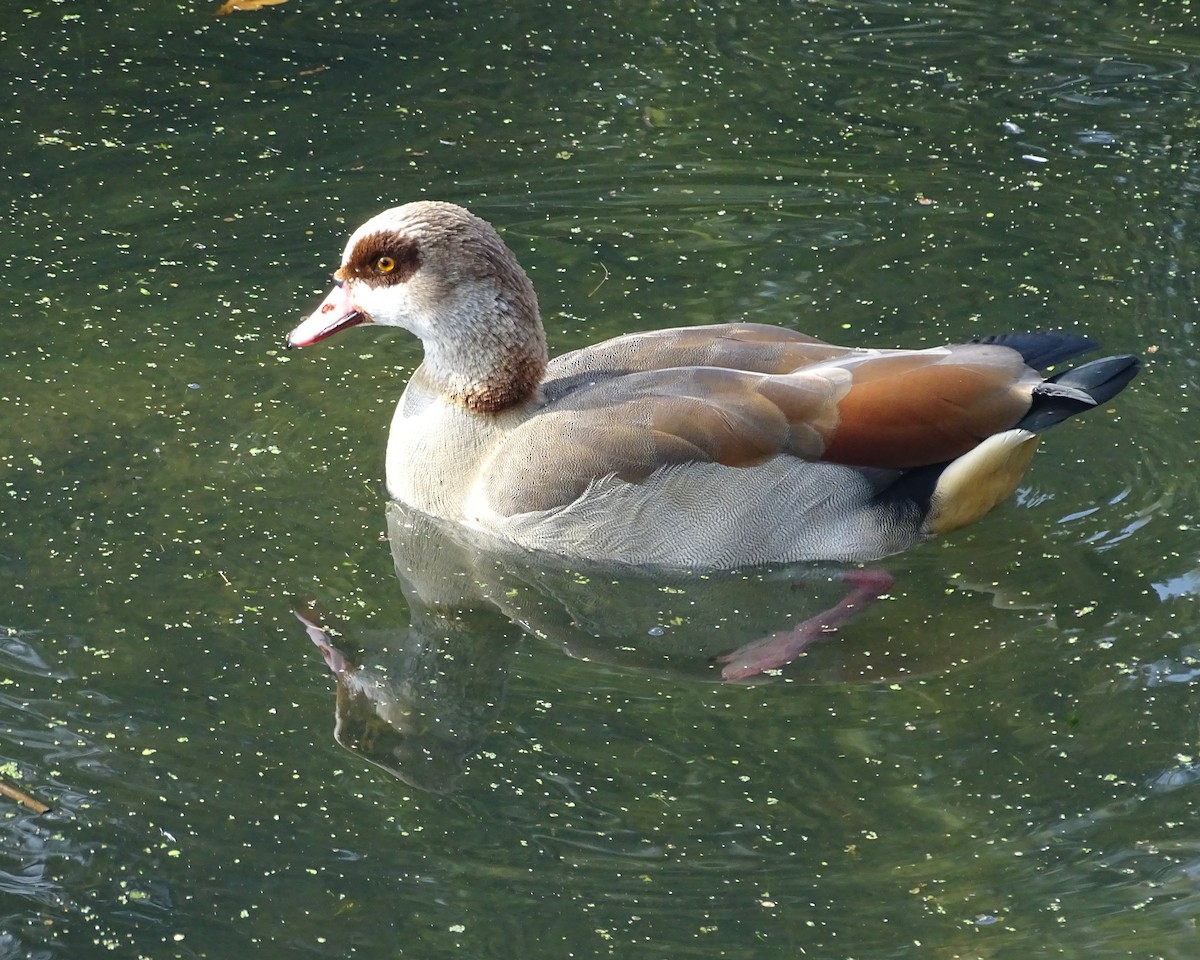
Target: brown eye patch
[383, 258]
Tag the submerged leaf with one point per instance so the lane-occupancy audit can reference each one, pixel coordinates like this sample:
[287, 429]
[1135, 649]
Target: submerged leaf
[231, 5]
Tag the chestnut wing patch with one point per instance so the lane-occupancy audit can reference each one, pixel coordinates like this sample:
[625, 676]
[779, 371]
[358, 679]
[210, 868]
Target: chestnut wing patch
[913, 408]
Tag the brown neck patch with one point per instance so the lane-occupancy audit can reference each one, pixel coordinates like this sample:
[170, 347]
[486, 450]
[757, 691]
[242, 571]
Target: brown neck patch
[514, 384]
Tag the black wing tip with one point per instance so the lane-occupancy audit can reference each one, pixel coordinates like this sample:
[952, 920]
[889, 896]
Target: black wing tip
[1043, 348]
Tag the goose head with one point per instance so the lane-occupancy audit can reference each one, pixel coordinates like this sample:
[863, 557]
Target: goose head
[444, 275]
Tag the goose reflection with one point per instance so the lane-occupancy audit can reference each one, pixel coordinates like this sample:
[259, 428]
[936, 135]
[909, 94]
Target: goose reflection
[418, 700]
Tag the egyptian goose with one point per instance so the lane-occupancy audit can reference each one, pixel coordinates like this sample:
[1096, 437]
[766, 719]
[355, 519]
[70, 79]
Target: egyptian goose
[714, 446]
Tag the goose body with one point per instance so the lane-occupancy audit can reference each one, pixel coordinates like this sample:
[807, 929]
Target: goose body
[713, 446]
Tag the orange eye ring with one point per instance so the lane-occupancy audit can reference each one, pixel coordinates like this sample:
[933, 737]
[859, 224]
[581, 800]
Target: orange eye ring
[385, 265]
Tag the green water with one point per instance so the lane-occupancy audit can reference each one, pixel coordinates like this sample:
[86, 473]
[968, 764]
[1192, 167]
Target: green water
[1000, 761]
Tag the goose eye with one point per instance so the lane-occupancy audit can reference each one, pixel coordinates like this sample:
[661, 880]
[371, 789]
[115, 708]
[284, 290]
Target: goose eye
[385, 265]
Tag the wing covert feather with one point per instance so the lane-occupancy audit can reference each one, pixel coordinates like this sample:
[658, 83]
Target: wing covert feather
[872, 409]
[632, 425]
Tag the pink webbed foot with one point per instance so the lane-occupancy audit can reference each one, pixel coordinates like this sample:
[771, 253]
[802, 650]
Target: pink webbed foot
[774, 651]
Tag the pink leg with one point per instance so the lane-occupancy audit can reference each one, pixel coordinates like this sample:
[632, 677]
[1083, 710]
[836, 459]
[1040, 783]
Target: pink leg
[774, 651]
[309, 614]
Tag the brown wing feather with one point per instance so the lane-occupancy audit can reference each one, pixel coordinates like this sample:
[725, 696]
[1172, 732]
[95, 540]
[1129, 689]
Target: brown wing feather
[889, 409]
[754, 347]
[632, 425]
[911, 409]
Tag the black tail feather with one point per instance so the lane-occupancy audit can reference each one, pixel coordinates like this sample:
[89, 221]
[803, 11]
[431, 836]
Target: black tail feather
[1078, 389]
